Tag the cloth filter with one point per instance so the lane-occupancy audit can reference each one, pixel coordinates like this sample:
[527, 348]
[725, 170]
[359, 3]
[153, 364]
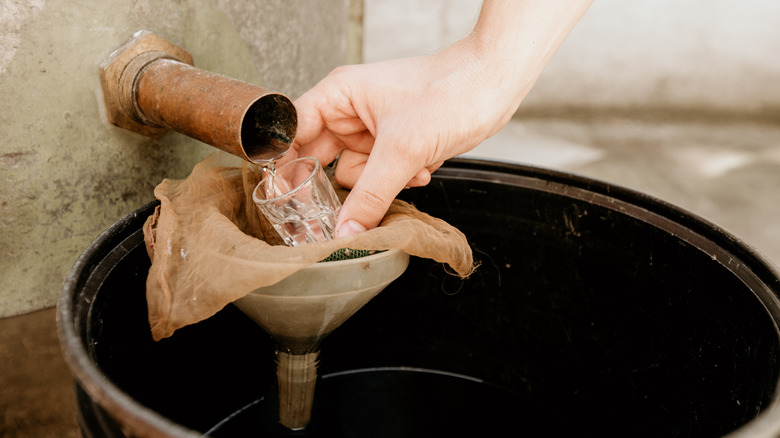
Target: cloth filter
[209, 245]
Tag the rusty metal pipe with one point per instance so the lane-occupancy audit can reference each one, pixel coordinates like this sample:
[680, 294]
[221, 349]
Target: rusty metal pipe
[246, 120]
[150, 86]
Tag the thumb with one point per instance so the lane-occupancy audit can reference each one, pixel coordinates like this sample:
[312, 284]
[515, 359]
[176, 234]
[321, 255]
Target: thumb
[384, 176]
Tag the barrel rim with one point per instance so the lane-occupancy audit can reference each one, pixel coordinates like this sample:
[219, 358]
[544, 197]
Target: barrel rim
[146, 422]
[740, 258]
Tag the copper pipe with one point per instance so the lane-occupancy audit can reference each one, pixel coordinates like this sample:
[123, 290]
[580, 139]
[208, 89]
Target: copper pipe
[150, 86]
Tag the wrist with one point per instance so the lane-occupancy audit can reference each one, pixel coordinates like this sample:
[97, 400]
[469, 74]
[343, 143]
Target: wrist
[512, 43]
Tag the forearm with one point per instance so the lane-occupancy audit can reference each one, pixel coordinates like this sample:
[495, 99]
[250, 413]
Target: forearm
[514, 40]
[508, 29]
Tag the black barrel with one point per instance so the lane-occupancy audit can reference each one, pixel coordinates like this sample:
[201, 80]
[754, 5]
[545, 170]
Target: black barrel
[596, 311]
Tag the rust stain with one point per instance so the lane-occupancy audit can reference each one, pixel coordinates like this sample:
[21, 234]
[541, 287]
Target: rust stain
[15, 155]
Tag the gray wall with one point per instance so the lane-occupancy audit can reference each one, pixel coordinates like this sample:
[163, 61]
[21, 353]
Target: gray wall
[65, 173]
[684, 56]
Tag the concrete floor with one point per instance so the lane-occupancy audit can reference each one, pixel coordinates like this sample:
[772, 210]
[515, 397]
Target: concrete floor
[36, 399]
[726, 172]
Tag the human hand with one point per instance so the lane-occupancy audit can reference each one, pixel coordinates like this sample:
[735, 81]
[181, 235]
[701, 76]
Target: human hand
[393, 123]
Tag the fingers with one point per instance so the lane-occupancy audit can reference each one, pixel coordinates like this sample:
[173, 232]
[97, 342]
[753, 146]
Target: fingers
[325, 148]
[378, 180]
[328, 125]
[351, 166]
[310, 117]
[328, 146]
[423, 177]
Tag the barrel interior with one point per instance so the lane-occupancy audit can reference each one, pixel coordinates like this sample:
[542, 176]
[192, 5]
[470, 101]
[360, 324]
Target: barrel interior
[594, 311]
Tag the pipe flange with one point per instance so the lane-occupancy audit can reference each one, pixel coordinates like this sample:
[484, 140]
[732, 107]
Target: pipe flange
[128, 86]
[119, 72]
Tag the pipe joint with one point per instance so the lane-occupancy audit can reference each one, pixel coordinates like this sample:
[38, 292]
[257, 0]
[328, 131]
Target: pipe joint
[150, 86]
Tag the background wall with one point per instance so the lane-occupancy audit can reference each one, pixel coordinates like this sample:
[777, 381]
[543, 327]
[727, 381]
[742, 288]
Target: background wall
[65, 173]
[700, 56]
[677, 99]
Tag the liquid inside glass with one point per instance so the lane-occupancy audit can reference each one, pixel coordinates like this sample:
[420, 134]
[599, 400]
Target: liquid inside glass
[299, 201]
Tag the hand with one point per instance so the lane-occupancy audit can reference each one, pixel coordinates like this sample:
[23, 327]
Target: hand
[393, 123]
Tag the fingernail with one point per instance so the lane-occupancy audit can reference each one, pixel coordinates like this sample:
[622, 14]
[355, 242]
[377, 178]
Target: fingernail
[349, 228]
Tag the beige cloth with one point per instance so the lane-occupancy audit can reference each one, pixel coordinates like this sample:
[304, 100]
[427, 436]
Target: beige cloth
[207, 245]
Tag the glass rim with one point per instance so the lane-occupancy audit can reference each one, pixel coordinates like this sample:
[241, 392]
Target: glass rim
[295, 189]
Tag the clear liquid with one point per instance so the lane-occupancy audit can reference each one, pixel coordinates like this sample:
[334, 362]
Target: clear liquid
[309, 218]
[299, 229]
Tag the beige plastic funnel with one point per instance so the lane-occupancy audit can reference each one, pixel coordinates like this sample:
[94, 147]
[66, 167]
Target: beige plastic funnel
[304, 308]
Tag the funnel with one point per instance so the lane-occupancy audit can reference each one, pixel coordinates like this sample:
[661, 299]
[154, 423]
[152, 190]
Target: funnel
[301, 310]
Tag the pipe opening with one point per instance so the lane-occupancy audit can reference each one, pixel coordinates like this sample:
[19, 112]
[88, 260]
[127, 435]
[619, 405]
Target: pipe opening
[268, 128]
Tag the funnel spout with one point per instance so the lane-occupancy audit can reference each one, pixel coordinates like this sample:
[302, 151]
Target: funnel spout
[297, 377]
[150, 87]
[304, 308]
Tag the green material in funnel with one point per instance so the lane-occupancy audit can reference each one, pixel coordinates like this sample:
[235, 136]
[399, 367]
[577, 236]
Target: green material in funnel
[346, 254]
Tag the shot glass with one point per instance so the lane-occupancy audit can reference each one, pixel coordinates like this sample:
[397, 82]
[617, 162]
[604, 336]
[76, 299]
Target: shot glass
[299, 201]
